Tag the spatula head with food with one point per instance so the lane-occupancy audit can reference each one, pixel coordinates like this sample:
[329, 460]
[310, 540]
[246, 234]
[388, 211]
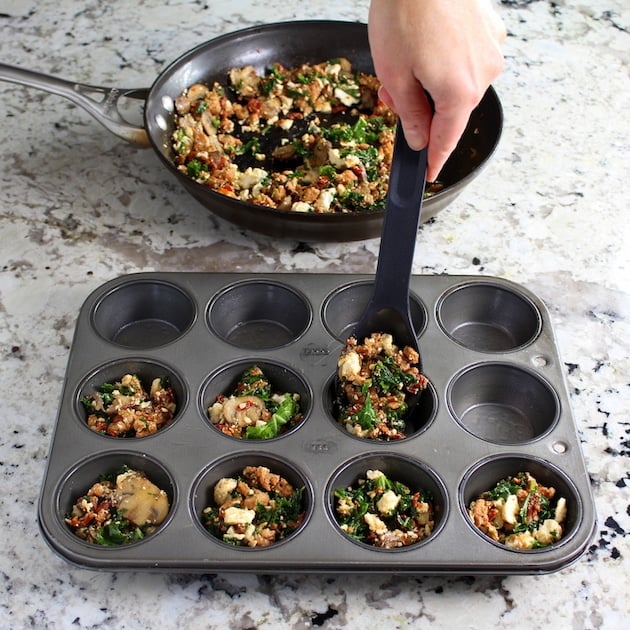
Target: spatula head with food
[379, 378]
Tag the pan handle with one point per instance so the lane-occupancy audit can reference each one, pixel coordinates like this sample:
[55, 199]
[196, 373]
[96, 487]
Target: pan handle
[100, 102]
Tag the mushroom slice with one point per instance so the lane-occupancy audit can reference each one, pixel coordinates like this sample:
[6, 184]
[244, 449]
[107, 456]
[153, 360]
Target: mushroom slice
[139, 500]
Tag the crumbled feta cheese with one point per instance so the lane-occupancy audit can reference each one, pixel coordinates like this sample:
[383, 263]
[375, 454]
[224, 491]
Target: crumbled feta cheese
[238, 516]
[375, 524]
[286, 124]
[301, 206]
[509, 509]
[561, 510]
[333, 69]
[224, 489]
[387, 341]
[522, 540]
[374, 474]
[548, 532]
[251, 176]
[324, 200]
[349, 366]
[334, 157]
[216, 412]
[286, 103]
[345, 98]
[232, 534]
[388, 502]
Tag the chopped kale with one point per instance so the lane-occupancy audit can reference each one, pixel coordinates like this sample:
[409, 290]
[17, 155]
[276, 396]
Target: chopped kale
[285, 412]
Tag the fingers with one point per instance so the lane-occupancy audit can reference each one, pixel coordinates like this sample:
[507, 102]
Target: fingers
[497, 25]
[414, 112]
[451, 49]
[441, 132]
[446, 130]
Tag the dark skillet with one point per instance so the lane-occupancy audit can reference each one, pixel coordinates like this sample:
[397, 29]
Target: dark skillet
[290, 43]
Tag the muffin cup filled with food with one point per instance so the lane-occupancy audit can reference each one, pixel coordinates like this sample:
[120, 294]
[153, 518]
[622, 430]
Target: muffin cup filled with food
[252, 501]
[130, 399]
[116, 499]
[387, 502]
[520, 503]
[375, 380]
[255, 400]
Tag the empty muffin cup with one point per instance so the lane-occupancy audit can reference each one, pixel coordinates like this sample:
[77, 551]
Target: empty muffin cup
[252, 501]
[484, 476]
[396, 519]
[165, 398]
[487, 317]
[148, 505]
[239, 410]
[503, 403]
[143, 314]
[343, 308]
[259, 314]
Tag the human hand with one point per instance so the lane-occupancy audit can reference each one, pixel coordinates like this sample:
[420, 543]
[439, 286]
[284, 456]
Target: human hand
[451, 49]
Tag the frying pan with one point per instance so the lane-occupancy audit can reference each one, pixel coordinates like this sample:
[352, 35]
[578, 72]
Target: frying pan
[290, 43]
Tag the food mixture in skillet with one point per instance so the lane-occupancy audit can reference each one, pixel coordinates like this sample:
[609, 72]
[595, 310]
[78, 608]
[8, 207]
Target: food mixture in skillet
[314, 138]
[375, 379]
[520, 513]
[252, 411]
[385, 513]
[119, 509]
[125, 409]
[254, 509]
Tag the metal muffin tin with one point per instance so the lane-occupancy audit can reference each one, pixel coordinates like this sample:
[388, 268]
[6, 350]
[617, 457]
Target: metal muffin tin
[497, 404]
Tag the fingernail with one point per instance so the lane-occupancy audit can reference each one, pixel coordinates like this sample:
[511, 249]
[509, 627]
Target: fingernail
[416, 139]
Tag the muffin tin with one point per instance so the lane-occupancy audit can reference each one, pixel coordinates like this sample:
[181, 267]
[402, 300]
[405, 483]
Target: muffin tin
[496, 404]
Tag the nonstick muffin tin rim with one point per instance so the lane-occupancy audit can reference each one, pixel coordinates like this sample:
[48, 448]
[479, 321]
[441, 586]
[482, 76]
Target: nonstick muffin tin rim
[446, 445]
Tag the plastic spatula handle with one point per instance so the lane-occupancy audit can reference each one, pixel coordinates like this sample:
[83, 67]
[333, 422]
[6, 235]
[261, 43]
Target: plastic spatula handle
[388, 308]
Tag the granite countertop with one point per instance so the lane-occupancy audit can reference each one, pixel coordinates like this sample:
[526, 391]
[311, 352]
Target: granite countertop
[79, 207]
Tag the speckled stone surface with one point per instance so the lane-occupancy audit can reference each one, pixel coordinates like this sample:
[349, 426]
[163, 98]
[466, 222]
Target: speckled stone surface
[79, 207]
